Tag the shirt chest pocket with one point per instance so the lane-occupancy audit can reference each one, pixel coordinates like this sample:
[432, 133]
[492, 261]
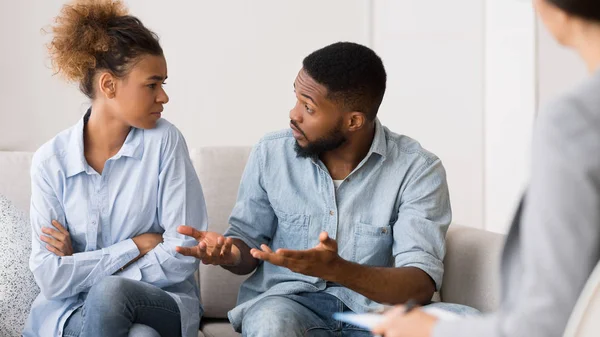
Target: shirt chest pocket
[373, 244]
[291, 231]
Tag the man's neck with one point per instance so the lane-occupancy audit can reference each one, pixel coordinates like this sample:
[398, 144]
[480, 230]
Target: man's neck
[343, 160]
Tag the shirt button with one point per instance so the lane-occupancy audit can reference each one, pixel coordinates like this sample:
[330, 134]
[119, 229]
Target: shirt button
[384, 230]
[331, 212]
[93, 222]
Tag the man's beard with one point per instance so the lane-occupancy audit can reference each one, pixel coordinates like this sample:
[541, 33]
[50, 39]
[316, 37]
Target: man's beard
[334, 139]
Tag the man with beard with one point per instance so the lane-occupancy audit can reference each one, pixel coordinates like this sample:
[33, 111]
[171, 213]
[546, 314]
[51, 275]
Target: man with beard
[336, 213]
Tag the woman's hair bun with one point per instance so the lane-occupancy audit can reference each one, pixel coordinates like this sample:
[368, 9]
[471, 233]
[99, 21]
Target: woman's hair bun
[80, 34]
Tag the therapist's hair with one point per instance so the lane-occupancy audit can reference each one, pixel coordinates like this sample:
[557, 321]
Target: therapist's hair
[98, 35]
[353, 75]
[587, 9]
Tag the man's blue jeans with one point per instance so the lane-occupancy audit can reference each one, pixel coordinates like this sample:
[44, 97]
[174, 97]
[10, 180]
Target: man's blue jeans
[119, 307]
[309, 314]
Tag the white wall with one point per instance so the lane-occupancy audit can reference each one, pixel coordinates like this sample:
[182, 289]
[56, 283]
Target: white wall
[462, 82]
[525, 70]
[510, 104]
[231, 65]
[35, 105]
[558, 68]
[461, 78]
[433, 52]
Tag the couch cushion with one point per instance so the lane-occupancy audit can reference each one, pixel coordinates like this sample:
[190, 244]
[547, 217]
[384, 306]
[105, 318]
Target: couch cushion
[15, 183]
[17, 285]
[220, 170]
[472, 268]
[584, 320]
[218, 328]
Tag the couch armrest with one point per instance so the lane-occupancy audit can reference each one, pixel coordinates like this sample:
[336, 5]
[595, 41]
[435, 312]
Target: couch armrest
[472, 267]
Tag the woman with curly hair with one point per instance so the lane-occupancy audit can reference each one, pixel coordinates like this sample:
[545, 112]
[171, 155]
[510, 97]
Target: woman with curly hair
[109, 192]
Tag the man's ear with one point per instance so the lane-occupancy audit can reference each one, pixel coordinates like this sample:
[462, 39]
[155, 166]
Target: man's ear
[356, 121]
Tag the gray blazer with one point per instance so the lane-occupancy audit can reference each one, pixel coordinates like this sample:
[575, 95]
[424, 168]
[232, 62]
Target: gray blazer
[554, 242]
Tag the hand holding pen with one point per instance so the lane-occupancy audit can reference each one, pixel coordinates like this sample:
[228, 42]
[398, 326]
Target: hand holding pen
[398, 321]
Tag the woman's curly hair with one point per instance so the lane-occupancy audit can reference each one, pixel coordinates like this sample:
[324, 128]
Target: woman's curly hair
[93, 35]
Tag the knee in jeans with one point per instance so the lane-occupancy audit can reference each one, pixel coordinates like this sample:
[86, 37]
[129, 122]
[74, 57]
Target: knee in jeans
[141, 330]
[109, 291]
[265, 322]
[270, 314]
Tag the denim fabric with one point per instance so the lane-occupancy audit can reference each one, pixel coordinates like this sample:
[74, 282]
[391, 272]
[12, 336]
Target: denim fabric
[149, 186]
[310, 314]
[117, 306]
[393, 210]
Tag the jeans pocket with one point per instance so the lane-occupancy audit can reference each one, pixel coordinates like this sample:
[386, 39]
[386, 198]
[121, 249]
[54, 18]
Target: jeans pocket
[373, 244]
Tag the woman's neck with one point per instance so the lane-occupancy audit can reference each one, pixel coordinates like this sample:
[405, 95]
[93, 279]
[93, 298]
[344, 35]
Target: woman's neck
[104, 134]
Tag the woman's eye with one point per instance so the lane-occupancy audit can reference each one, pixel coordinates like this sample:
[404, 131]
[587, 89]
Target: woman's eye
[153, 85]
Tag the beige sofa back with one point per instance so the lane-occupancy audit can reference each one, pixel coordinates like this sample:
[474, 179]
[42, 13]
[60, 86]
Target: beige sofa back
[15, 183]
[220, 170]
[471, 262]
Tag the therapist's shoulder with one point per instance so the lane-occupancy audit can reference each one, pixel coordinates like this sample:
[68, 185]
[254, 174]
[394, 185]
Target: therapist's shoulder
[570, 124]
[579, 106]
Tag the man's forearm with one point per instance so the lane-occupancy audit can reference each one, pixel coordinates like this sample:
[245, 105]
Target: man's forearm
[247, 263]
[384, 285]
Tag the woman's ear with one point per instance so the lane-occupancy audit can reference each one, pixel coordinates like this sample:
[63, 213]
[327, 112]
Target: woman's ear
[107, 85]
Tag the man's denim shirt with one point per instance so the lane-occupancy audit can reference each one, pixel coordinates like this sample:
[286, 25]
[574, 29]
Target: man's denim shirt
[393, 210]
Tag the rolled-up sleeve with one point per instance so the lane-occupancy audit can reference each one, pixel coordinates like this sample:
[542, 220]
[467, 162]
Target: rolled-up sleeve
[423, 219]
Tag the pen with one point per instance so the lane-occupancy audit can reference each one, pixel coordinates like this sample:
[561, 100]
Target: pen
[409, 306]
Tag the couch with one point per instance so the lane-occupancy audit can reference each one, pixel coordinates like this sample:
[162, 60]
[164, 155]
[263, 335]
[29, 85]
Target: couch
[471, 263]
